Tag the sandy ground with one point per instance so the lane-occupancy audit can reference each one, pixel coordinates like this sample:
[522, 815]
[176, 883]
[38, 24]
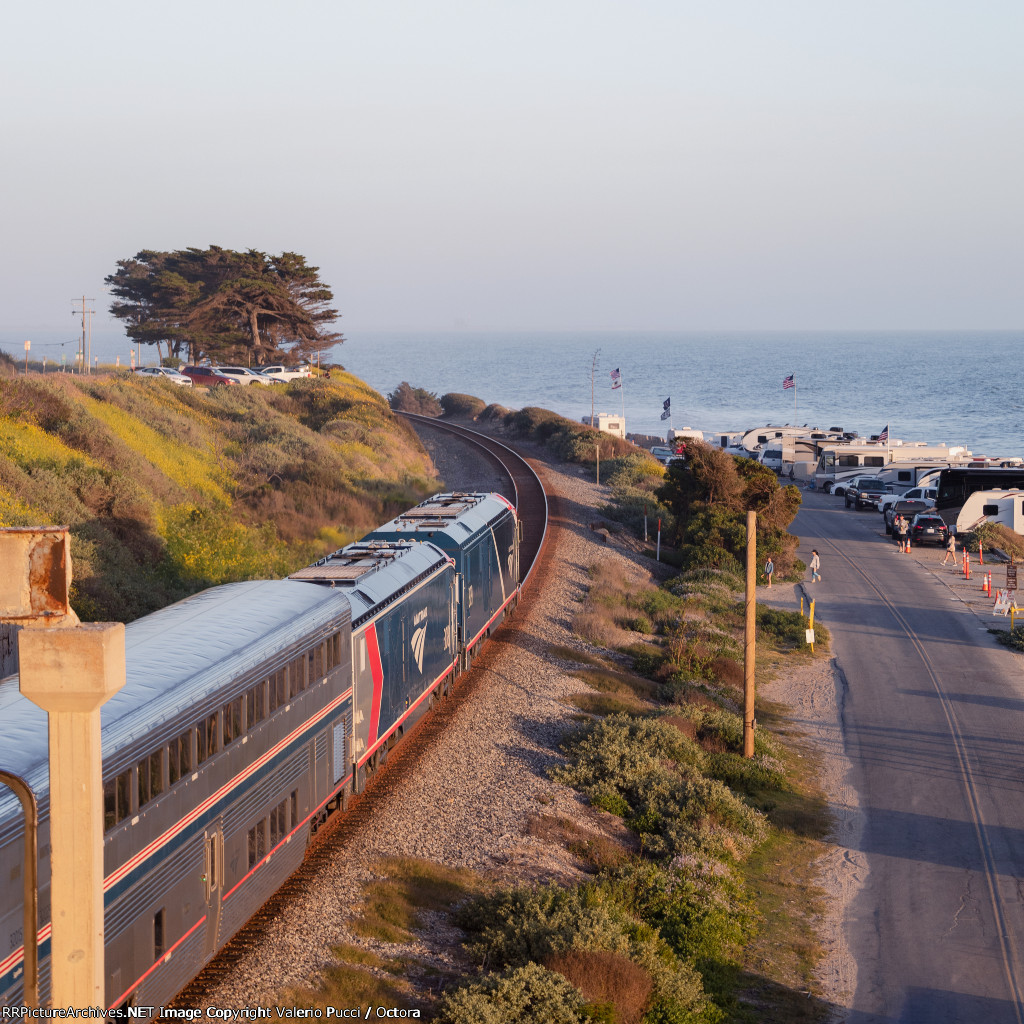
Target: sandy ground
[815, 696]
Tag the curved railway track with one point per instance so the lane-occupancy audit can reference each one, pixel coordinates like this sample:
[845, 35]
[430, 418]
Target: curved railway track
[342, 830]
[531, 500]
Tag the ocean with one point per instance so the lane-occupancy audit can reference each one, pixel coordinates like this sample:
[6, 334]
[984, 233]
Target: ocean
[954, 387]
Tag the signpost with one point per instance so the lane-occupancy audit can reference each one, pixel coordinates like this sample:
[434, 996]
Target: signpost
[1011, 577]
[28, 345]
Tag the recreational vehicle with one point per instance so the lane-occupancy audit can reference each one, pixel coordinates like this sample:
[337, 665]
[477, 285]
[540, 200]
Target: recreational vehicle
[837, 463]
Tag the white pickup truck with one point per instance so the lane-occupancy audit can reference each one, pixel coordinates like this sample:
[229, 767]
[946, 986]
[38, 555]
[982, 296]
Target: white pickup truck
[279, 371]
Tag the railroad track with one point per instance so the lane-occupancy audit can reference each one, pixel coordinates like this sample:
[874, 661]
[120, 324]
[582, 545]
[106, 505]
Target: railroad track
[531, 500]
[343, 831]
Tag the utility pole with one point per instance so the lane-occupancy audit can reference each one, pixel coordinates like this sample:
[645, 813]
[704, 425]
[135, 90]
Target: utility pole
[84, 356]
[593, 370]
[749, 651]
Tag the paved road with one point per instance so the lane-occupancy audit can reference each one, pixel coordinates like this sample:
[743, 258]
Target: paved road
[933, 717]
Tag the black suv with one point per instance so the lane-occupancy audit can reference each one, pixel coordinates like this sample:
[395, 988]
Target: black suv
[865, 492]
[928, 526]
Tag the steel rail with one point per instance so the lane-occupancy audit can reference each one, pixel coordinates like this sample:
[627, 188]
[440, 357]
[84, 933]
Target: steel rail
[532, 508]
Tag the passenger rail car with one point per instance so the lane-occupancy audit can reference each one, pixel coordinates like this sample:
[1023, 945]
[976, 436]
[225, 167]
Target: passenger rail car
[481, 534]
[250, 711]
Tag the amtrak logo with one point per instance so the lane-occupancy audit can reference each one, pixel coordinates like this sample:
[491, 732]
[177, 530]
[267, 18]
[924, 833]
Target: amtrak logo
[419, 637]
[448, 638]
[418, 640]
[511, 560]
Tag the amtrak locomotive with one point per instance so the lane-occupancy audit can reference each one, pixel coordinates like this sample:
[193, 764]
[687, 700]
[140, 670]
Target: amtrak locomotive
[250, 712]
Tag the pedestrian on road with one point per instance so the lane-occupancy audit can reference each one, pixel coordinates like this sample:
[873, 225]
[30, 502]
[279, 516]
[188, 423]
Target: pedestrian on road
[950, 550]
[815, 566]
[896, 529]
[769, 568]
[904, 531]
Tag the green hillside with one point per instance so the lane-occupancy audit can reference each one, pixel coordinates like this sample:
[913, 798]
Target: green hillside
[169, 490]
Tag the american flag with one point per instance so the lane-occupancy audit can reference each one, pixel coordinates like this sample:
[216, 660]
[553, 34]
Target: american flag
[788, 382]
[884, 435]
[615, 374]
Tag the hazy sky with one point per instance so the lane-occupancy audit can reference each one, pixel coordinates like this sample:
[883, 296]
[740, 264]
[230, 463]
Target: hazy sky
[529, 165]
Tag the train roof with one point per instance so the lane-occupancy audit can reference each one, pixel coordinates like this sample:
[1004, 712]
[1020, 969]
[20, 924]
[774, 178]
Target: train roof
[175, 658]
[455, 517]
[373, 573]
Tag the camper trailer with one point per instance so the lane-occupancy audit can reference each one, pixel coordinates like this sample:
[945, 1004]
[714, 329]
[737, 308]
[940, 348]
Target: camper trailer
[995, 506]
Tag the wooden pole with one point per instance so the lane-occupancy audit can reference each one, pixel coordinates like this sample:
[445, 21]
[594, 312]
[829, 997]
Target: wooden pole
[749, 651]
[597, 461]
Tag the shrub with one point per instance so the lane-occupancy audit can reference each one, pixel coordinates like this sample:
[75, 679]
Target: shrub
[462, 406]
[515, 926]
[701, 911]
[530, 994]
[494, 412]
[406, 398]
[649, 772]
[606, 979]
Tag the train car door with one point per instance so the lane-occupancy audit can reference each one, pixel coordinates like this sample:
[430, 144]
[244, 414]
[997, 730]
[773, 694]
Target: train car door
[213, 880]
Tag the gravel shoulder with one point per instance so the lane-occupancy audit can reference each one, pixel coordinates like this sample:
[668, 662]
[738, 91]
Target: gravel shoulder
[814, 695]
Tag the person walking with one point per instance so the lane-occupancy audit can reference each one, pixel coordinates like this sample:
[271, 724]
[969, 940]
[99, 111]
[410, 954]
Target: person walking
[904, 533]
[815, 566]
[950, 550]
[769, 568]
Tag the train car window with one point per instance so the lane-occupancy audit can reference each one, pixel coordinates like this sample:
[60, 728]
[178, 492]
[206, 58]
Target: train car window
[298, 676]
[159, 945]
[117, 800]
[151, 777]
[256, 704]
[295, 808]
[315, 660]
[278, 823]
[333, 651]
[257, 843]
[180, 756]
[143, 771]
[278, 690]
[207, 737]
[231, 720]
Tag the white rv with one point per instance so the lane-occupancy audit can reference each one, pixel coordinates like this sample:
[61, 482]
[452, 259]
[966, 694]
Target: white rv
[995, 506]
[838, 463]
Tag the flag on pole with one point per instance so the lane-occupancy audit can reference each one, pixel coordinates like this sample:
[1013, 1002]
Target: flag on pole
[615, 375]
[884, 435]
[616, 385]
[667, 406]
[788, 382]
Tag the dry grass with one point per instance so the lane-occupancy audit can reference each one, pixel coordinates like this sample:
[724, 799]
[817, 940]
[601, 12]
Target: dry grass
[342, 985]
[608, 979]
[597, 852]
[391, 905]
[606, 703]
[618, 682]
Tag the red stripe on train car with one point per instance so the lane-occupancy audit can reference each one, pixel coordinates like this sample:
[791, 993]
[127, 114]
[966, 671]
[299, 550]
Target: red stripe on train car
[377, 671]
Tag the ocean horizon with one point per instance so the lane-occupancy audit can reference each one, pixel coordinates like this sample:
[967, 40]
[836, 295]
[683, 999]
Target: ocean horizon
[955, 387]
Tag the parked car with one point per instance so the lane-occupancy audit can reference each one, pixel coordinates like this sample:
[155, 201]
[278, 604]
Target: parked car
[927, 526]
[285, 373]
[164, 373]
[906, 507]
[666, 454]
[865, 492]
[924, 493]
[243, 375]
[208, 377]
